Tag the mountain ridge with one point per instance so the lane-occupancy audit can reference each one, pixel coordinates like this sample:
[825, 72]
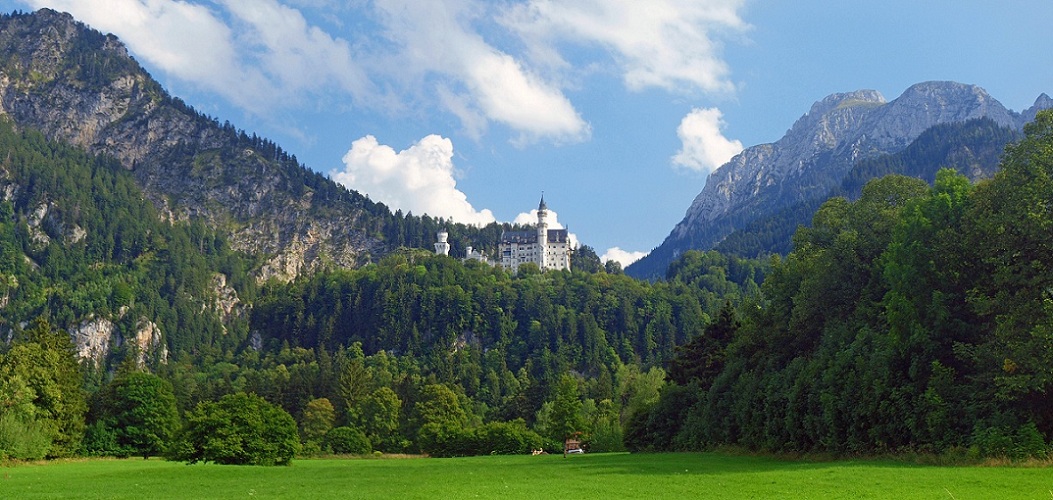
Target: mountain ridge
[816, 153]
[82, 87]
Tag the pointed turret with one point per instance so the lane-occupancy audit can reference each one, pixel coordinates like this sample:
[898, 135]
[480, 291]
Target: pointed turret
[542, 233]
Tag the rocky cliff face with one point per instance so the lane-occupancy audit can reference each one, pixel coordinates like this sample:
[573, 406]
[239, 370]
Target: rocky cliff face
[94, 337]
[815, 155]
[81, 87]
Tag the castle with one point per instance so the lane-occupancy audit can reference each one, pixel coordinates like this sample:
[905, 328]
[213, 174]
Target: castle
[548, 248]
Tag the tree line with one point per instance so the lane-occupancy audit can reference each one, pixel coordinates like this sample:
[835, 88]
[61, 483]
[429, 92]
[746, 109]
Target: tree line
[915, 318]
[376, 345]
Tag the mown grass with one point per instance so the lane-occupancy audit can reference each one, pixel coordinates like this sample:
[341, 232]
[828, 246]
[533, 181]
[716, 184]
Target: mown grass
[607, 476]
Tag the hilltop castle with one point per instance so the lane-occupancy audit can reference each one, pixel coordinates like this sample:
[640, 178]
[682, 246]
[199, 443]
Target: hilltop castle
[548, 248]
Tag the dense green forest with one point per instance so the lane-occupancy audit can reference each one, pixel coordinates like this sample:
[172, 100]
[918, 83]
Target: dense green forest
[77, 239]
[914, 318]
[79, 242]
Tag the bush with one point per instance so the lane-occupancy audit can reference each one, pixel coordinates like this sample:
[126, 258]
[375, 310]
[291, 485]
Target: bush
[348, 440]
[239, 429]
[495, 438]
[507, 438]
[100, 440]
[23, 439]
[1003, 442]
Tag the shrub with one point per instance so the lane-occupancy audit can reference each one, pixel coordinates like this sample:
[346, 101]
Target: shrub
[507, 438]
[239, 429]
[995, 441]
[100, 440]
[495, 438]
[23, 439]
[348, 440]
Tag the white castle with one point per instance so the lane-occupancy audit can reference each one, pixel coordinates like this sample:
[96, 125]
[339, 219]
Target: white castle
[548, 248]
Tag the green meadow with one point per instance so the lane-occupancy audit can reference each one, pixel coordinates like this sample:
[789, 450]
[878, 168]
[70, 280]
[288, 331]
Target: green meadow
[609, 476]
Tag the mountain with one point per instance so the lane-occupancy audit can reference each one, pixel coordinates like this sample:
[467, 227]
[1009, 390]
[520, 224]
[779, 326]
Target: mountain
[814, 157]
[972, 148]
[81, 87]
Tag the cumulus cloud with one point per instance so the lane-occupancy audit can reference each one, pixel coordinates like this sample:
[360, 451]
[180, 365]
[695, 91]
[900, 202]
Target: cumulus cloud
[667, 44]
[261, 58]
[623, 257]
[530, 218]
[705, 148]
[486, 63]
[419, 179]
[475, 81]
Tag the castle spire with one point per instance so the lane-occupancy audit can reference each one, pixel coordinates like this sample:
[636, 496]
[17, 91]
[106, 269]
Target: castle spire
[541, 206]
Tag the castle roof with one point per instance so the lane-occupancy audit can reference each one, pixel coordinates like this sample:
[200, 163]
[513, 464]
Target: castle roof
[527, 237]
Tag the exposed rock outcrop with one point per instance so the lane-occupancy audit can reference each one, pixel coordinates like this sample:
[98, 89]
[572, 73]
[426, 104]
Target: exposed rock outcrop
[93, 338]
[81, 87]
[816, 154]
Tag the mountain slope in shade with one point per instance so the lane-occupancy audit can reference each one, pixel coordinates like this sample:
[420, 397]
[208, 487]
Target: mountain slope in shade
[81, 87]
[815, 155]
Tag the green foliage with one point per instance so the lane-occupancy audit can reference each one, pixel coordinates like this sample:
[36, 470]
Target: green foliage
[23, 438]
[141, 409]
[915, 318]
[495, 438]
[318, 418]
[40, 383]
[380, 420]
[1003, 442]
[702, 359]
[348, 440]
[586, 260]
[79, 240]
[438, 410]
[566, 416]
[239, 429]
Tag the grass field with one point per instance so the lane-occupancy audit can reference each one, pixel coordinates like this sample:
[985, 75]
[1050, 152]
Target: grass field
[606, 476]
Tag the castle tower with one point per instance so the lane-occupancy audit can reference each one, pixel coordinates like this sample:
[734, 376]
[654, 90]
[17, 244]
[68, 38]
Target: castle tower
[542, 233]
[442, 247]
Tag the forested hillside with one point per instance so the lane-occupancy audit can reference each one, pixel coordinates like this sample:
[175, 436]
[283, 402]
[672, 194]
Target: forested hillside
[157, 296]
[81, 87]
[972, 148]
[914, 318]
[79, 242]
[99, 290]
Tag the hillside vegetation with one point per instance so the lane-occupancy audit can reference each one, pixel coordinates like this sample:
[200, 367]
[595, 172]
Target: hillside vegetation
[915, 317]
[377, 346]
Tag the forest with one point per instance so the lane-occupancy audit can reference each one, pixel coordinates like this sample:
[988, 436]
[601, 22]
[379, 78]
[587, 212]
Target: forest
[915, 318]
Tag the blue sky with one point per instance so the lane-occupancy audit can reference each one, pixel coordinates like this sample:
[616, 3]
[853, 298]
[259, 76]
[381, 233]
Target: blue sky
[616, 109]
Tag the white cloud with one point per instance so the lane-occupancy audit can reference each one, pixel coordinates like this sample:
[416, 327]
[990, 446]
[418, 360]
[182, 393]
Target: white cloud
[295, 56]
[705, 148]
[623, 257]
[530, 218]
[266, 57]
[437, 45]
[668, 44]
[552, 219]
[419, 179]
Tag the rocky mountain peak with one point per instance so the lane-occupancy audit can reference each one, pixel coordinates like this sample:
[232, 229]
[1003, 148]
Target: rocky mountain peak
[846, 100]
[1043, 102]
[81, 87]
[817, 152]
